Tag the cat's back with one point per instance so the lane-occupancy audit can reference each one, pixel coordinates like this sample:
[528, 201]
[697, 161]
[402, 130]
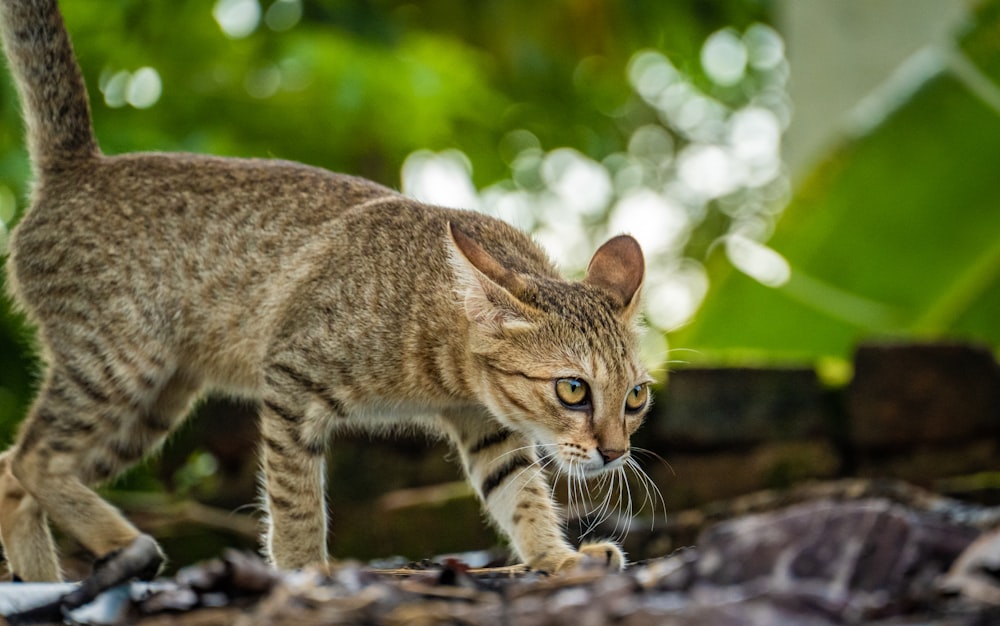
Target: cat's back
[139, 192]
[180, 214]
[197, 252]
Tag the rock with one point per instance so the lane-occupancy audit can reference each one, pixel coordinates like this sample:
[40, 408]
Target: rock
[851, 551]
[976, 573]
[852, 560]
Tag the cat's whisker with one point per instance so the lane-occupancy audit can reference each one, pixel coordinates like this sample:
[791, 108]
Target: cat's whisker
[652, 496]
[603, 479]
[539, 465]
[617, 498]
[621, 503]
[573, 504]
[630, 464]
[647, 452]
[620, 509]
[651, 489]
[576, 488]
[605, 510]
[532, 446]
[609, 504]
[602, 511]
[575, 498]
[542, 465]
[693, 351]
[629, 515]
[251, 507]
[572, 500]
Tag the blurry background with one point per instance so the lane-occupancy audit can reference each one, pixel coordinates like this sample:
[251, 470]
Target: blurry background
[803, 175]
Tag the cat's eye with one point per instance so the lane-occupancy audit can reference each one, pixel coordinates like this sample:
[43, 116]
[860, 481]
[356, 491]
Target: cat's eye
[572, 392]
[637, 397]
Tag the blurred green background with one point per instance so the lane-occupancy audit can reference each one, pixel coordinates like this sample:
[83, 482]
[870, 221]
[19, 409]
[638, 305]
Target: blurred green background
[802, 174]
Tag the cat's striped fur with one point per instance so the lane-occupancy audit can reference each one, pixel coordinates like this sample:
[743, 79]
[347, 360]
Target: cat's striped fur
[333, 301]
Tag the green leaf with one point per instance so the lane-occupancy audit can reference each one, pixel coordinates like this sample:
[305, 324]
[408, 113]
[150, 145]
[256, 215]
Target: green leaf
[895, 234]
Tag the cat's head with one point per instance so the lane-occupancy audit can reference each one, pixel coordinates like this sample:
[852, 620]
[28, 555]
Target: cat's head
[557, 360]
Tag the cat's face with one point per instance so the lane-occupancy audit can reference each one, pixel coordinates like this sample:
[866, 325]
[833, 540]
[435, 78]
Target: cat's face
[579, 393]
[558, 360]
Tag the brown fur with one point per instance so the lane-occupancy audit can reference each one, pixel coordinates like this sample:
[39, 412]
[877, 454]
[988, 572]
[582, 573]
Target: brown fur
[335, 302]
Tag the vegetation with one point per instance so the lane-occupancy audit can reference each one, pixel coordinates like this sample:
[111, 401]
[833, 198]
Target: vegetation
[895, 234]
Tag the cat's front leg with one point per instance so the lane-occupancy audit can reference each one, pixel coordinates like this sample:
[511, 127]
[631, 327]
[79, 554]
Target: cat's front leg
[536, 530]
[504, 469]
[294, 471]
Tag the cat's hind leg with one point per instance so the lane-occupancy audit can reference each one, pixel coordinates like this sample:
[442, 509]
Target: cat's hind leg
[80, 431]
[24, 530]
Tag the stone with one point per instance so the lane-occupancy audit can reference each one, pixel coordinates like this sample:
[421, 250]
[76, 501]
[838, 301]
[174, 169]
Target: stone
[976, 573]
[853, 560]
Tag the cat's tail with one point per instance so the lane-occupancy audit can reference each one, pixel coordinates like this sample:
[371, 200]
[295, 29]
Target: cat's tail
[49, 81]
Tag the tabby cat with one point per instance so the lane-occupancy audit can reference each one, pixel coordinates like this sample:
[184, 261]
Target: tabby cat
[332, 301]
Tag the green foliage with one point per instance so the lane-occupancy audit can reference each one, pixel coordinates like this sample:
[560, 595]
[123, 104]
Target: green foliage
[896, 234]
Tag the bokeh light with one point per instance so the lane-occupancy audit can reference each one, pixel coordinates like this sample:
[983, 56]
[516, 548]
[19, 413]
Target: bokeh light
[757, 260]
[582, 185]
[143, 88]
[283, 15]
[443, 179]
[237, 18]
[724, 57]
[140, 89]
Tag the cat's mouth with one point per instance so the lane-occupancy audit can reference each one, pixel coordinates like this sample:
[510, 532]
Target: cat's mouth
[601, 466]
[575, 459]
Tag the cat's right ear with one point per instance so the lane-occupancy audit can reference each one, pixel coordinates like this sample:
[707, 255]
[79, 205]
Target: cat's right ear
[618, 267]
[487, 289]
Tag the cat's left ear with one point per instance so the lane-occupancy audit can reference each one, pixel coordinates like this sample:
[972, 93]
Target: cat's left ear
[488, 289]
[618, 267]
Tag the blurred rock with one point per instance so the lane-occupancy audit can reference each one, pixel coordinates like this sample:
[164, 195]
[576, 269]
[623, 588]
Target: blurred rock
[976, 573]
[853, 551]
[850, 560]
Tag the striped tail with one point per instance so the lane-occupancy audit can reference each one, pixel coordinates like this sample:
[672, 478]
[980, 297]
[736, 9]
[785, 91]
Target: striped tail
[48, 78]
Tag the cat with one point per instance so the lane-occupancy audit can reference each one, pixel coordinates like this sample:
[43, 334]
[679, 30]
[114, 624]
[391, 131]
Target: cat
[332, 301]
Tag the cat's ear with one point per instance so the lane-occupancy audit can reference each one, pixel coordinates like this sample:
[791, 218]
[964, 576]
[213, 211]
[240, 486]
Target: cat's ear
[618, 267]
[488, 289]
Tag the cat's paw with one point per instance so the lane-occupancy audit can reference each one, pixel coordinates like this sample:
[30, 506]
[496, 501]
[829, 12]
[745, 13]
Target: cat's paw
[602, 554]
[142, 559]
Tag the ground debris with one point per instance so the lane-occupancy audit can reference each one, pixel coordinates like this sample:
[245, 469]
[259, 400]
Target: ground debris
[872, 560]
[232, 582]
[976, 573]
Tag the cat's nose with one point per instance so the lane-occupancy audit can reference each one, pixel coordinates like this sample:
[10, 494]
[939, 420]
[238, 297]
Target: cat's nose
[610, 455]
